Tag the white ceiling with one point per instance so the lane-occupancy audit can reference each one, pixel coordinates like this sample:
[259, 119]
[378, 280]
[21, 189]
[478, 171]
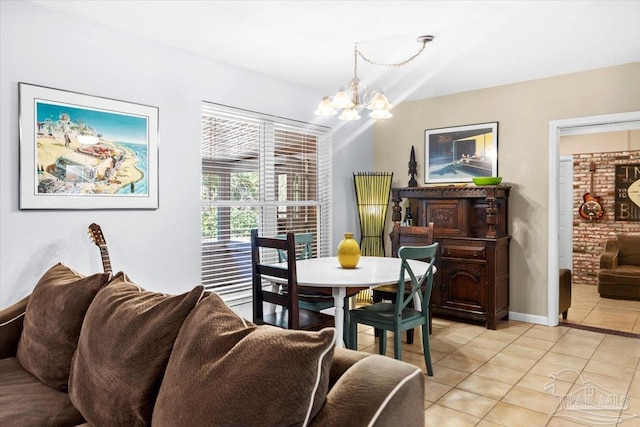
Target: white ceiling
[477, 43]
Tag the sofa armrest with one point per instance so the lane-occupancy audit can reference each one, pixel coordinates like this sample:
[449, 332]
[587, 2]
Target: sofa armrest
[609, 257]
[375, 391]
[11, 321]
[343, 360]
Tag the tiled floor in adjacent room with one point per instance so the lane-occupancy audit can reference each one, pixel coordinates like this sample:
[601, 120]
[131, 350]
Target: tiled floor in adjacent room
[588, 309]
[504, 377]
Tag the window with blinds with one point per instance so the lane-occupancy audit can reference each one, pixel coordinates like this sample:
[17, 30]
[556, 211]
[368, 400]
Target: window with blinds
[261, 172]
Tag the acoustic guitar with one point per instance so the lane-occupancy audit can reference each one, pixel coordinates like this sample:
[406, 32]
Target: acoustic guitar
[591, 208]
[98, 238]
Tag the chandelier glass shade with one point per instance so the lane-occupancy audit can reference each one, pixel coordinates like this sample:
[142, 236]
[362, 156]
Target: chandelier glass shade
[355, 96]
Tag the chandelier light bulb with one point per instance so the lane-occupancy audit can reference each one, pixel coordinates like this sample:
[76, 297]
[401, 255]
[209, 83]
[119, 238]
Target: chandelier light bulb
[380, 114]
[325, 108]
[349, 114]
[342, 100]
[379, 102]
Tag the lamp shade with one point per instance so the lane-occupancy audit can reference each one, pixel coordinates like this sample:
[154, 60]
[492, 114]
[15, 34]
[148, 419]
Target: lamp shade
[325, 108]
[342, 100]
[379, 102]
[349, 114]
[380, 114]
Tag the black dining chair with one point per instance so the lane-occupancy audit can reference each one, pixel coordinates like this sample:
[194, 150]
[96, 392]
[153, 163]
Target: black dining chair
[290, 315]
[308, 298]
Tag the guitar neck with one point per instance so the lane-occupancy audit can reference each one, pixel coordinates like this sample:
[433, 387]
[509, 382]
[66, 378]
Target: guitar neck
[106, 262]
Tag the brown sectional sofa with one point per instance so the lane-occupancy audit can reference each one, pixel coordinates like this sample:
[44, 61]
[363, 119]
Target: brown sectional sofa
[619, 274]
[100, 350]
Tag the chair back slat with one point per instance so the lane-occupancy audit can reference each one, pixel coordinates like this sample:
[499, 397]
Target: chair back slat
[302, 239]
[422, 286]
[410, 236]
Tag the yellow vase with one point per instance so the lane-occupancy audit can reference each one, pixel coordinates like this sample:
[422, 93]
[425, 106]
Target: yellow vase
[348, 252]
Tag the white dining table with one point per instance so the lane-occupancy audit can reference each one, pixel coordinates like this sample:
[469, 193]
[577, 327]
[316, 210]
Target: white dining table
[371, 271]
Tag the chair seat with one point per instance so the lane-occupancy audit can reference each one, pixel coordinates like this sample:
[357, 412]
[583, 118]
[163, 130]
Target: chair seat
[384, 313]
[389, 292]
[309, 320]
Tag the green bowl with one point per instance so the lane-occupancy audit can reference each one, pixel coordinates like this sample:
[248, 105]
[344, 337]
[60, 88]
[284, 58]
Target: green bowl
[487, 180]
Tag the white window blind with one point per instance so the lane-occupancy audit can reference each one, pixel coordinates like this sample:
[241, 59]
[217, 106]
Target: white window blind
[263, 172]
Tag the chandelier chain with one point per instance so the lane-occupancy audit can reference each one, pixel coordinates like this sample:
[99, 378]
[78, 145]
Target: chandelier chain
[397, 64]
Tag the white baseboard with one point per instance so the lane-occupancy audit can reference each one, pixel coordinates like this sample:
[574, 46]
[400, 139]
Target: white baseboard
[529, 318]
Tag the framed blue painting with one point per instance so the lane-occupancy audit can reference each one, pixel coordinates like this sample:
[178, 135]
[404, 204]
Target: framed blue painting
[85, 152]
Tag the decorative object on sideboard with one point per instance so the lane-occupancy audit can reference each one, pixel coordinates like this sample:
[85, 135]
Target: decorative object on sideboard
[460, 153]
[408, 218]
[591, 207]
[348, 252]
[86, 152]
[355, 95]
[487, 180]
[413, 168]
[627, 203]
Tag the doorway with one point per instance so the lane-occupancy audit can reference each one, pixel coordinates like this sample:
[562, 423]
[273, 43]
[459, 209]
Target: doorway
[558, 128]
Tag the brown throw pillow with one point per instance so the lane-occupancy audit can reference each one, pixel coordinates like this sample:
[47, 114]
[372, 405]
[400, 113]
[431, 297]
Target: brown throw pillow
[223, 373]
[52, 323]
[124, 346]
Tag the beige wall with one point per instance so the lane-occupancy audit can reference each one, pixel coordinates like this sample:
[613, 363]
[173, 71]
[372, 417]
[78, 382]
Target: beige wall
[600, 142]
[523, 111]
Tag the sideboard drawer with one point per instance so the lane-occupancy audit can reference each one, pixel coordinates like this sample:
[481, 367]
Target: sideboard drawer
[468, 250]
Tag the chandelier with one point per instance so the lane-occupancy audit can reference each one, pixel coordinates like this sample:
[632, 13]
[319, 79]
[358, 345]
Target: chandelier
[355, 96]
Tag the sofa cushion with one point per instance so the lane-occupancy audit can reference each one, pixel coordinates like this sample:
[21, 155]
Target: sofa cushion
[27, 401]
[52, 323]
[124, 346]
[629, 247]
[239, 374]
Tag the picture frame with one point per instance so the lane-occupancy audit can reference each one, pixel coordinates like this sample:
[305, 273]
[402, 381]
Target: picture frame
[627, 186]
[458, 154]
[79, 151]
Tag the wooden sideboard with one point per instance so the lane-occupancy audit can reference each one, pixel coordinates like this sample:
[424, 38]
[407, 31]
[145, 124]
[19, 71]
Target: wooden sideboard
[471, 226]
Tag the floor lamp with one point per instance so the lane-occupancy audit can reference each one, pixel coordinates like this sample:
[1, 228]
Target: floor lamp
[372, 195]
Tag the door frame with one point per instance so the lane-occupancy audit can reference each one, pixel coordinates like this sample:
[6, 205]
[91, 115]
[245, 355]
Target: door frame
[569, 160]
[589, 124]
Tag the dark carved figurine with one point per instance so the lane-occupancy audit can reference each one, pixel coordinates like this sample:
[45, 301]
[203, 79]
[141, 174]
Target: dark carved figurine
[413, 169]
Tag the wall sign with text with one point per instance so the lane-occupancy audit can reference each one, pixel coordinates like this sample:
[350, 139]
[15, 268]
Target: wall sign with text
[628, 192]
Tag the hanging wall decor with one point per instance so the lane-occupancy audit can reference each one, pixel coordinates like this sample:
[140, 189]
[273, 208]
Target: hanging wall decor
[627, 192]
[460, 153]
[85, 152]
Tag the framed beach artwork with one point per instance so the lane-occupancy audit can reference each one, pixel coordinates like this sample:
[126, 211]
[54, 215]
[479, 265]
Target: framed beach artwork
[85, 152]
[460, 153]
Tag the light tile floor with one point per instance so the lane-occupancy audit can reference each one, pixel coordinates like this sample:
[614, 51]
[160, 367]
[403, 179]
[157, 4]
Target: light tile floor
[518, 374]
[587, 308]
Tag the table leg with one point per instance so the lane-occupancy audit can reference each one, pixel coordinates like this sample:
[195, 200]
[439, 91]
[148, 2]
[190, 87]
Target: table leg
[338, 300]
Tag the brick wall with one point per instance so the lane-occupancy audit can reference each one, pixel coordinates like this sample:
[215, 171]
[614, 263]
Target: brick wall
[589, 236]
